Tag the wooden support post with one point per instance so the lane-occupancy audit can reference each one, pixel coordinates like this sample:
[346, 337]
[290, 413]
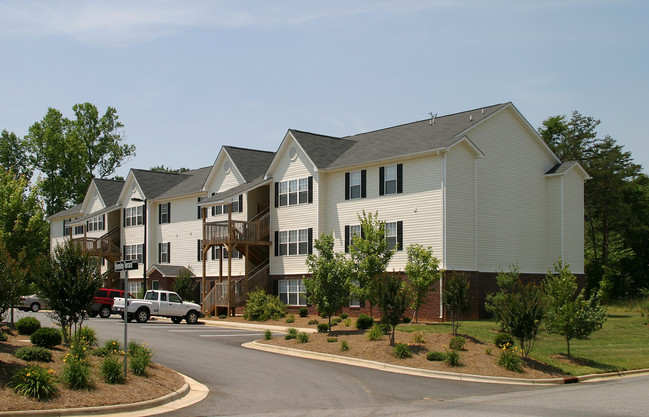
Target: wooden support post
[203, 215]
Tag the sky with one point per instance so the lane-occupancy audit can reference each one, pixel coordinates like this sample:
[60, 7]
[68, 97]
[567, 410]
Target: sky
[188, 77]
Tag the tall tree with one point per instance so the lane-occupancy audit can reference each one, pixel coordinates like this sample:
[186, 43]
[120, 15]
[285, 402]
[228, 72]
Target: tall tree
[163, 168]
[328, 287]
[423, 272]
[14, 156]
[496, 302]
[70, 152]
[370, 255]
[12, 281]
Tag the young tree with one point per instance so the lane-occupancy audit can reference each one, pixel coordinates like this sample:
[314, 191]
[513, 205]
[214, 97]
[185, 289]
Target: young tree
[524, 309]
[392, 301]
[455, 297]
[370, 255]
[569, 313]
[184, 285]
[328, 288]
[68, 282]
[495, 303]
[12, 282]
[70, 152]
[423, 272]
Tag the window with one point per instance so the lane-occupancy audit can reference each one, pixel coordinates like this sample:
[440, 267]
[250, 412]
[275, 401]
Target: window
[394, 235]
[153, 296]
[355, 184]
[354, 300]
[293, 242]
[133, 252]
[199, 214]
[174, 298]
[164, 253]
[134, 287]
[164, 213]
[391, 179]
[133, 216]
[292, 292]
[78, 230]
[216, 251]
[199, 250]
[292, 192]
[350, 232]
[66, 228]
[96, 223]
[163, 296]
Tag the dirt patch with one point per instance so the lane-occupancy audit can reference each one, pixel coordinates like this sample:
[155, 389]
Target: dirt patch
[475, 359]
[158, 382]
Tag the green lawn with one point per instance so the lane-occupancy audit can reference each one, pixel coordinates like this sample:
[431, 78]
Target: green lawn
[621, 345]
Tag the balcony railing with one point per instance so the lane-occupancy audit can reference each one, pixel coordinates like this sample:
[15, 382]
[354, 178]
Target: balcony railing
[107, 246]
[235, 232]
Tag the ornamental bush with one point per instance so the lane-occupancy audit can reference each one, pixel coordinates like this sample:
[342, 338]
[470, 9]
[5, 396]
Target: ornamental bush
[343, 316]
[140, 357]
[86, 334]
[262, 306]
[344, 346]
[290, 318]
[453, 358]
[303, 311]
[401, 351]
[503, 339]
[46, 337]
[34, 353]
[291, 334]
[510, 359]
[302, 337]
[436, 356]
[34, 381]
[457, 343]
[76, 374]
[111, 370]
[374, 334]
[27, 325]
[364, 322]
[323, 327]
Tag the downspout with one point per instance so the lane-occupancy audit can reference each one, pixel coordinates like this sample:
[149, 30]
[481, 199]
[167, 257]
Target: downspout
[444, 254]
[563, 255]
[145, 249]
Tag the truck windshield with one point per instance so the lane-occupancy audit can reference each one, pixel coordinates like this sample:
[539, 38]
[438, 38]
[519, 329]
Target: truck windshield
[151, 296]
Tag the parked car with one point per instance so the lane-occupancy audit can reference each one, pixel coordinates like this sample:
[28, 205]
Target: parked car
[31, 302]
[102, 303]
[159, 303]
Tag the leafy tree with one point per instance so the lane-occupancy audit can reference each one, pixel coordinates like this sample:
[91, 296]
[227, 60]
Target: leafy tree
[495, 303]
[162, 168]
[569, 313]
[12, 282]
[455, 297]
[392, 300]
[68, 282]
[370, 255]
[184, 285]
[14, 156]
[70, 152]
[328, 288]
[423, 272]
[524, 309]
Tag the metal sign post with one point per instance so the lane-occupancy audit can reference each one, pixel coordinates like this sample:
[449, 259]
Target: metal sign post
[125, 266]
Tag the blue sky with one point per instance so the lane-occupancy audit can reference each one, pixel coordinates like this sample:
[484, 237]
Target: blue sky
[188, 77]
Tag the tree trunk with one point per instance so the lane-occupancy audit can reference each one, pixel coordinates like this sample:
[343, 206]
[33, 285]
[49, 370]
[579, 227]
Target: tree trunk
[568, 343]
[605, 233]
[416, 315]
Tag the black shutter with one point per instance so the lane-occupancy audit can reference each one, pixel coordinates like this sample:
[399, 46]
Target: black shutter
[363, 183]
[199, 252]
[347, 239]
[310, 190]
[346, 185]
[276, 287]
[381, 180]
[399, 235]
[168, 252]
[87, 221]
[213, 253]
[276, 242]
[276, 194]
[310, 240]
[362, 303]
[124, 219]
[198, 214]
[159, 253]
[399, 178]
[123, 251]
[103, 221]
[240, 203]
[144, 214]
[159, 213]
[169, 212]
[213, 207]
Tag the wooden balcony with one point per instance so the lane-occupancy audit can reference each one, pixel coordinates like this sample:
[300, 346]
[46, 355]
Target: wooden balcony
[106, 246]
[240, 287]
[238, 232]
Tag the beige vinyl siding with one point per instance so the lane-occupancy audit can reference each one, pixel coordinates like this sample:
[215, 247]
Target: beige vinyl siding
[553, 241]
[460, 208]
[56, 233]
[511, 195]
[419, 207]
[134, 235]
[573, 192]
[294, 217]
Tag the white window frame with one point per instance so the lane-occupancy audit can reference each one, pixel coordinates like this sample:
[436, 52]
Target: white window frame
[78, 230]
[293, 242]
[164, 213]
[96, 223]
[293, 192]
[355, 179]
[133, 252]
[164, 253]
[391, 235]
[134, 288]
[292, 292]
[390, 180]
[134, 216]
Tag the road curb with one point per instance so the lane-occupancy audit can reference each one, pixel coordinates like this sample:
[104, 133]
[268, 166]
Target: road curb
[254, 326]
[165, 402]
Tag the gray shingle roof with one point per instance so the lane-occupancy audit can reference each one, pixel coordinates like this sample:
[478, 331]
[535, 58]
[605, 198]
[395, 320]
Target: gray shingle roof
[169, 270]
[156, 185]
[241, 188]
[561, 168]
[323, 150]
[71, 212]
[109, 189]
[251, 163]
[192, 184]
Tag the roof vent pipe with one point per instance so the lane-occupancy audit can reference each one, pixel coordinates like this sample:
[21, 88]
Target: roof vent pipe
[432, 118]
[483, 112]
[470, 117]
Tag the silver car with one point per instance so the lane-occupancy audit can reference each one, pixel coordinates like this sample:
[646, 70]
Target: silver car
[31, 302]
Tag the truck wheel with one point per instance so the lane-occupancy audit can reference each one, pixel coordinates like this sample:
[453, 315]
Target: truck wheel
[92, 314]
[104, 312]
[176, 319]
[142, 315]
[35, 307]
[191, 317]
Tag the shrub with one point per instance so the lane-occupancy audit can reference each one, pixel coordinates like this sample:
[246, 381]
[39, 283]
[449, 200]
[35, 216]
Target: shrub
[222, 316]
[135, 347]
[262, 306]
[335, 321]
[312, 322]
[33, 381]
[110, 347]
[290, 318]
[332, 339]
[268, 335]
[344, 346]
[78, 351]
[3, 337]
[76, 374]
[385, 328]
[374, 333]
[303, 311]
[503, 339]
[347, 322]
[34, 353]
[27, 325]
[453, 358]
[509, 359]
[87, 335]
[418, 337]
[457, 343]
[343, 316]
[364, 322]
[302, 337]
[406, 319]
[111, 370]
[46, 337]
[292, 334]
[488, 350]
[323, 327]
[140, 359]
[436, 356]
[401, 351]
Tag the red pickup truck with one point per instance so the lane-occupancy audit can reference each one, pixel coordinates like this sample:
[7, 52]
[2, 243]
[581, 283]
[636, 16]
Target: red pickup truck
[102, 303]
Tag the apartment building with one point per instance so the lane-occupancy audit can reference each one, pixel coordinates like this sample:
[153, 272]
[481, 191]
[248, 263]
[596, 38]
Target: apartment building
[479, 187]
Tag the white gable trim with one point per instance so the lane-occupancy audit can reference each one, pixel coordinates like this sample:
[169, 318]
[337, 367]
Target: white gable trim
[130, 180]
[576, 165]
[88, 197]
[469, 142]
[218, 163]
[284, 146]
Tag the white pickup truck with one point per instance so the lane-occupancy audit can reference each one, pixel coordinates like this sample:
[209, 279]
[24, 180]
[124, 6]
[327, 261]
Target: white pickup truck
[159, 303]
